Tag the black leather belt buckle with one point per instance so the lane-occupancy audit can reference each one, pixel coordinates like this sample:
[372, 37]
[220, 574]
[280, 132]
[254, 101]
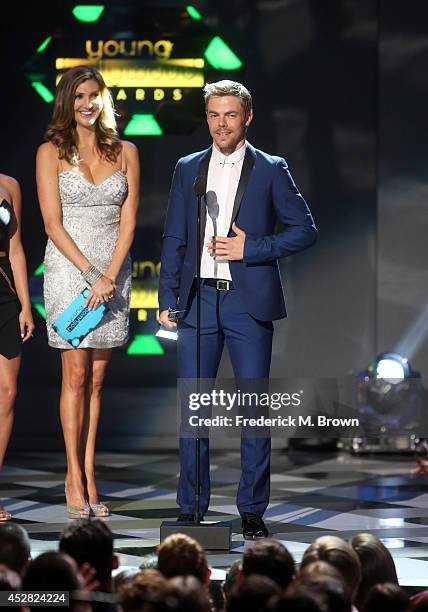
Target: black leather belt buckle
[223, 285]
[219, 283]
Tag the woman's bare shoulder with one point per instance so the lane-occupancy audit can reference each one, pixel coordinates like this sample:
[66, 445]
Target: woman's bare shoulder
[129, 148]
[9, 185]
[47, 152]
[8, 181]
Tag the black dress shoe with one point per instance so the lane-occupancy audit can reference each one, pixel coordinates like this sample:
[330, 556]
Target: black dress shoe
[185, 518]
[253, 527]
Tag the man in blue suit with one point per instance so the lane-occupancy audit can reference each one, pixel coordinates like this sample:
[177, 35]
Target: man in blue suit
[246, 192]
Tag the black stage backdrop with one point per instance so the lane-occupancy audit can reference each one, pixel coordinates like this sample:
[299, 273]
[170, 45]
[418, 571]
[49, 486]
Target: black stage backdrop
[339, 90]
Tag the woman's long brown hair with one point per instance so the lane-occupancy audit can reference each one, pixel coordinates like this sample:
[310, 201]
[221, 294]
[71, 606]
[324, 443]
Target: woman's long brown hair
[62, 129]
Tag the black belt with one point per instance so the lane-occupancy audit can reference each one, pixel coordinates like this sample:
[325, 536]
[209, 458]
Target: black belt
[218, 283]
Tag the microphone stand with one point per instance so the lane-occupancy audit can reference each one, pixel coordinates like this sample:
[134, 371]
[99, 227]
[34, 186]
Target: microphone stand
[212, 536]
[200, 192]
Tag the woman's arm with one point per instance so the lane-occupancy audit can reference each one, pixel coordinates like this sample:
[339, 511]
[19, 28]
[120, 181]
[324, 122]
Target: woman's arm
[128, 216]
[50, 206]
[17, 260]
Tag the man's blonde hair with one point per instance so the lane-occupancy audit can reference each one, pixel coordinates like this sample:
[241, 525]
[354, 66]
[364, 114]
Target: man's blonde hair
[229, 88]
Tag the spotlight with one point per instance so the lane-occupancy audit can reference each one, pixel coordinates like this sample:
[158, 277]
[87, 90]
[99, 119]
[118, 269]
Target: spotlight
[390, 367]
[390, 406]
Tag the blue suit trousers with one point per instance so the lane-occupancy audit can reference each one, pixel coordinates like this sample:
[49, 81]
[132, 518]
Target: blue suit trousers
[249, 342]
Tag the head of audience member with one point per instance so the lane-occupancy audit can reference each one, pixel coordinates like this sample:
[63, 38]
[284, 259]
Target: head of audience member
[251, 594]
[269, 558]
[123, 577]
[216, 595]
[232, 577]
[10, 581]
[298, 598]
[185, 594]
[338, 553]
[142, 591]
[386, 597]
[334, 591]
[313, 571]
[181, 555]
[149, 561]
[14, 547]
[419, 602]
[321, 577]
[377, 564]
[54, 571]
[91, 541]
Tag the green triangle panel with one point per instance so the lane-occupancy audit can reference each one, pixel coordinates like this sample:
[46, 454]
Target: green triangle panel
[88, 13]
[40, 309]
[145, 345]
[221, 56]
[143, 125]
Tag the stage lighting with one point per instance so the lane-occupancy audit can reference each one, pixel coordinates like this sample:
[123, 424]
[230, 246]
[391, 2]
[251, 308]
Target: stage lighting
[44, 44]
[88, 13]
[145, 344]
[193, 12]
[391, 367]
[221, 56]
[43, 91]
[389, 405]
[143, 125]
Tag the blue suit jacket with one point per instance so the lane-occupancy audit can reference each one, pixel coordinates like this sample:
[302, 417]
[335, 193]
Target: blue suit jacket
[266, 193]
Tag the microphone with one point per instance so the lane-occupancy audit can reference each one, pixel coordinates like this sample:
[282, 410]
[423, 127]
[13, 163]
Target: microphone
[212, 205]
[213, 209]
[199, 185]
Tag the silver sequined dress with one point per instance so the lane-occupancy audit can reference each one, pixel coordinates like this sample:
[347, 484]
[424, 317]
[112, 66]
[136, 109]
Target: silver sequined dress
[91, 215]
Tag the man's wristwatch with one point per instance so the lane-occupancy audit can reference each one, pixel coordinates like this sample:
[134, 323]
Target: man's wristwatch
[172, 313]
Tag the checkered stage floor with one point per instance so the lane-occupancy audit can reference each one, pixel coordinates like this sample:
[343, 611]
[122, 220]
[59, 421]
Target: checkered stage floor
[312, 494]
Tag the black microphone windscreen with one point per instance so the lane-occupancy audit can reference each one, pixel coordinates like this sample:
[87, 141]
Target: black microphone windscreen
[200, 185]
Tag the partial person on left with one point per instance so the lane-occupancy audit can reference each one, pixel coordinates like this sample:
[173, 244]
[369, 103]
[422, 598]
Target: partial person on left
[16, 320]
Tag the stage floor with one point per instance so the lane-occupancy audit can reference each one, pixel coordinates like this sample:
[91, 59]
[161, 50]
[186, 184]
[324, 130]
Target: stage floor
[312, 494]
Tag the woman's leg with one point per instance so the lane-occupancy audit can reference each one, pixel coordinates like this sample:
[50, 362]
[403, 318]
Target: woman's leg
[97, 370]
[9, 369]
[75, 380]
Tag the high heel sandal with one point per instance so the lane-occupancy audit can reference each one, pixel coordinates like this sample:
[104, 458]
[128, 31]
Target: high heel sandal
[4, 515]
[99, 509]
[81, 511]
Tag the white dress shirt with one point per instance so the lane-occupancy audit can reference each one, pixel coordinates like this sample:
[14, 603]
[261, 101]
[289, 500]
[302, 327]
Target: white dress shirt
[224, 173]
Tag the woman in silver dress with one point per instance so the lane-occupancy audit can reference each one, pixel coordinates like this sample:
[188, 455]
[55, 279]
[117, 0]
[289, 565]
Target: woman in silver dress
[88, 188]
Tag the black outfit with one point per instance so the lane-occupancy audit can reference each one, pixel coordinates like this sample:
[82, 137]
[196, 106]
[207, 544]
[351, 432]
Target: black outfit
[10, 335]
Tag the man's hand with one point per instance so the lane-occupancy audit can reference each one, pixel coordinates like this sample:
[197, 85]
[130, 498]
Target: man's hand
[164, 320]
[228, 249]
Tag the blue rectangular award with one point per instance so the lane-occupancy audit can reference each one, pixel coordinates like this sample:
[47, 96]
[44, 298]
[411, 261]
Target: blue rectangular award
[77, 320]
